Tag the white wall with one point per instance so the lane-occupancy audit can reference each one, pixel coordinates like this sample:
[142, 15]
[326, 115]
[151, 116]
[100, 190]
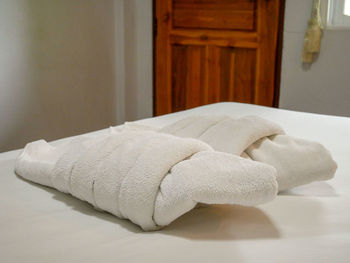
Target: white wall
[325, 86]
[72, 66]
[138, 69]
[56, 69]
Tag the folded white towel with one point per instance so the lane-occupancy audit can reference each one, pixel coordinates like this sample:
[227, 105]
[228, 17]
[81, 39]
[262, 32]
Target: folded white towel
[297, 161]
[148, 177]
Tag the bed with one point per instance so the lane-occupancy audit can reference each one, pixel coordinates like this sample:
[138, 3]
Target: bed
[310, 223]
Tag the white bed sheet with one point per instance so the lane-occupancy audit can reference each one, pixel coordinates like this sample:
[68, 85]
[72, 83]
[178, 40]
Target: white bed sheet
[307, 224]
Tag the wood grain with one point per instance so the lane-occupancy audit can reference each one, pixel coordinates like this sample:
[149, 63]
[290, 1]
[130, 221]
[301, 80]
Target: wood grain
[215, 50]
[208, 14]
[268, 14]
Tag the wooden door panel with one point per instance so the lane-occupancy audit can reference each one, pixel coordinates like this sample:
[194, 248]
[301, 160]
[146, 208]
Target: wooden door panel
[245, 76]
[208, 74]
[237, 74]
[208, 14]
[204, 55]
[188, 75]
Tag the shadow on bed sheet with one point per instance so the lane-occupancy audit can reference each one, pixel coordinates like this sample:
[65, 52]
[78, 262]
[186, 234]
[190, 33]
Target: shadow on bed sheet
[214, 222]
[318, 189]
[223, 222]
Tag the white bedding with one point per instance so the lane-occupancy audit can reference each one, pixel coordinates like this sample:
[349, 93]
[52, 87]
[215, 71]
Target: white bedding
[307, 224]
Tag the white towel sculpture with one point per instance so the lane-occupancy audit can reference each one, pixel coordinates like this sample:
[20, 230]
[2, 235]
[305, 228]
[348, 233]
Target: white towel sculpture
[150, 177]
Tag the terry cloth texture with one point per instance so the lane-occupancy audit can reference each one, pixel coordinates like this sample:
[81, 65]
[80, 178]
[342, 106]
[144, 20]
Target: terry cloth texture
[148, 177]
[296, 160]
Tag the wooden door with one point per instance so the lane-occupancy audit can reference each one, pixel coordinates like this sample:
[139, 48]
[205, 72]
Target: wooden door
[208, 51]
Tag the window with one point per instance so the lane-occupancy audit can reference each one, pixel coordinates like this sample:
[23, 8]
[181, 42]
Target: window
[347, 8]
[338, 14]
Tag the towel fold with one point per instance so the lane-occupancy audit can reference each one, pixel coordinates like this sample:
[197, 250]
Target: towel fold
[149, 177]
[297, 161]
